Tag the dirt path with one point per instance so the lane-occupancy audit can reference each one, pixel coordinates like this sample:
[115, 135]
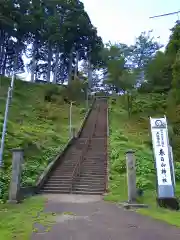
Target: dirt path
[90, 218]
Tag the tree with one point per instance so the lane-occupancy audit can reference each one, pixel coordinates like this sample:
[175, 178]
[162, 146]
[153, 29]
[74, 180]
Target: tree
[176, 79]
[144, 50]
[159, 69]
[173, 46]
[157, 72]
[115, 72]
[174, 93]
[54, 35]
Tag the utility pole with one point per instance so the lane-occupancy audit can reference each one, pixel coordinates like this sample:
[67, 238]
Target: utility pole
[9, 96]
[11, 52]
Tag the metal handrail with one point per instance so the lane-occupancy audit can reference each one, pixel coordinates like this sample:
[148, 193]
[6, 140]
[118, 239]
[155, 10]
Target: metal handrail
[77, 167]
[76, 170]
[107, 148]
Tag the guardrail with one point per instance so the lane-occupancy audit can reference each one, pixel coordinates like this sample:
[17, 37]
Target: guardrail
[107, 149]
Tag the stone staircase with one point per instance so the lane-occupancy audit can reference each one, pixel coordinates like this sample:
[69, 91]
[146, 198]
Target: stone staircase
[88, 155]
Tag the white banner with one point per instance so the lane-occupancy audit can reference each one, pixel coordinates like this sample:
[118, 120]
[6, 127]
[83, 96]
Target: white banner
[161, 144]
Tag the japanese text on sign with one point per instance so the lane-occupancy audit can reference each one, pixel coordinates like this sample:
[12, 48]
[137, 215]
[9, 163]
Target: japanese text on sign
[160, 144]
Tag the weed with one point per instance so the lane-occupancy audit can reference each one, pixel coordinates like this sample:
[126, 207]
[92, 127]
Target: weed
[134, 134]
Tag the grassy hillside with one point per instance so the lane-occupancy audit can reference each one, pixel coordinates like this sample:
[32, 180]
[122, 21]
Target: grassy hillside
[38, 122]
[134, 134]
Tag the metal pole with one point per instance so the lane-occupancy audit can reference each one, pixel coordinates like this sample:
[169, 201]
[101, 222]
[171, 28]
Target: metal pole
[172, 165]
[70, 120]
[87, 102]
[107, 121]
[171, 160]
[9, 96]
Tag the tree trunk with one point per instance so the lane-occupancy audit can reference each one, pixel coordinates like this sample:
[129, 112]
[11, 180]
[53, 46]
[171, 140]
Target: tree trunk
[34, 62]
[117, 89]
[76, 67]
[2, 56]
[129, 104]
[89, 73]
[70, 65]
[1, 45]
[49, 62]
[33, 66]
[56, 66]
[3, 67]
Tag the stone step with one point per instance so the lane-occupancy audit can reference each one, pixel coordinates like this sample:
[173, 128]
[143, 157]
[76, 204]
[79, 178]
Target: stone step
[94, 164]
[63, 171]
[56, 184]
[92, 168]
[93, 172]
[89, 192]
[54, 191]
[63, 175]
[59, 181]
[89, 180]
[87, 186]
[87, 175]
[66, 176]
[52, 187]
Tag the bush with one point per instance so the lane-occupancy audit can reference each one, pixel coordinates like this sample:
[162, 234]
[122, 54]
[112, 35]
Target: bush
[177, 171]
[76, 90]
[144, 183]
[51, 93]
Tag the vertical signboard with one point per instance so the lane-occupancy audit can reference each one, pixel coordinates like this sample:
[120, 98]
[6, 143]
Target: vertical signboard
[162, 157]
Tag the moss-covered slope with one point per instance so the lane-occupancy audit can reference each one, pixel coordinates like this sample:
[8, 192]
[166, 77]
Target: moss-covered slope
[38, 122]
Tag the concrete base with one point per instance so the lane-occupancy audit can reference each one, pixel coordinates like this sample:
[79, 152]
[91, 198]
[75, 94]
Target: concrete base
[105, 194]
[127, 205]
[13, 201]
[170, 203]
[72, 198]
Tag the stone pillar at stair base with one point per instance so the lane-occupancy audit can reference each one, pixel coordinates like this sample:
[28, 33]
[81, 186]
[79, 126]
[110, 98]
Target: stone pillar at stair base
[17, 161]
[131, 175]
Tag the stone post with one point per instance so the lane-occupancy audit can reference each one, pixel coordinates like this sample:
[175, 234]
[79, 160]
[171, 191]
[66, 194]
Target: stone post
[17, 161]
[74, 132]
[131, 175]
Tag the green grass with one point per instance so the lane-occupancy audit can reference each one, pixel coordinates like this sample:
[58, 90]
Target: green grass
[38, 126]
[168, 216]
[134, 134]
[19, 221]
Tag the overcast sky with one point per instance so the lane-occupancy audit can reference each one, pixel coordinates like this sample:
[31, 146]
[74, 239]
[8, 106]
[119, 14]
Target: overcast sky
[123, 20]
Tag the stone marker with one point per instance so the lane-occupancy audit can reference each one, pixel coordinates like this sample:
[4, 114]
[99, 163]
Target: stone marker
[131, 176]
[17, 161]
[74, 132]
